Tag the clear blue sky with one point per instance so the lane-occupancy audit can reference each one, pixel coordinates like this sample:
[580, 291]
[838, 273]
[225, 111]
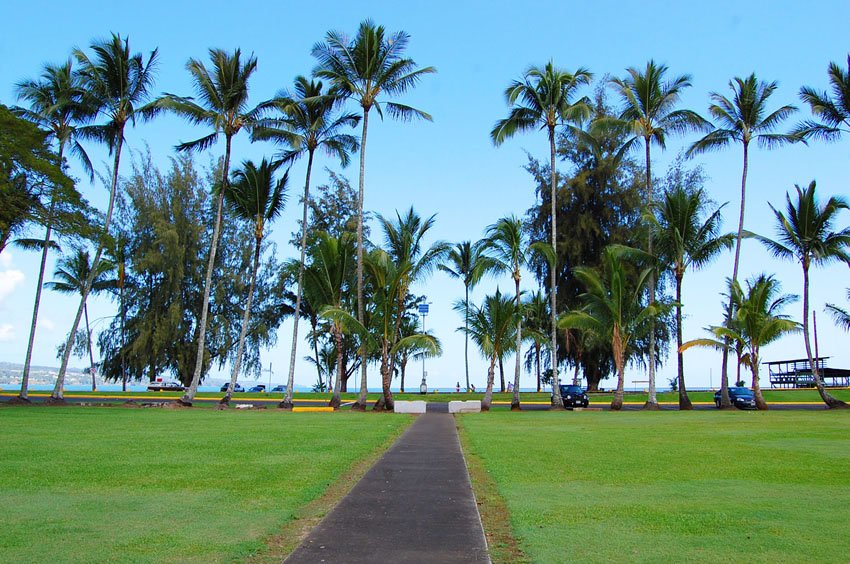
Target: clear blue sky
[449, 167]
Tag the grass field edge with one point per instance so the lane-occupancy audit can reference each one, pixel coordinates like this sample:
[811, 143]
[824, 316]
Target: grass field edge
[502, 544]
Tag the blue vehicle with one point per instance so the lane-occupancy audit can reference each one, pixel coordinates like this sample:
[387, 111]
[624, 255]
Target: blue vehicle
[259, 388]
[281, 388]
[236, 388]
[740, 396]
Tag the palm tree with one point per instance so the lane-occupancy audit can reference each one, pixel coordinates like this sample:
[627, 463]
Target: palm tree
[56, 104]
[468, 263]
[686, 239]
[116, 84]
[650, 113]
[535, 314]
[491, 327]
[327, 277]
[412, 261]
[833, 112]
[840, 315]
[613, 308]
[72, 274]
[307, 122]
[756, 322]
[508, 246]
[805, 235]
[742, 119]
[223, 106]
[546, 101]
[367, 68]
[254, 196]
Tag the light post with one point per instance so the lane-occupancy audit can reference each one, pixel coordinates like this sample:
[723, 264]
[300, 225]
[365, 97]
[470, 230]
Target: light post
[423, 311]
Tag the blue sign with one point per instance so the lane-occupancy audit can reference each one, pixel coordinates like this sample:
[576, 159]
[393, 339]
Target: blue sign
[423, 308]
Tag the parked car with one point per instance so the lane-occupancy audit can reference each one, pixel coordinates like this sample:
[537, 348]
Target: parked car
[236, 388]
[573, 396]
[259, 388]
[280, 388]
[741, 397]
[166, 386]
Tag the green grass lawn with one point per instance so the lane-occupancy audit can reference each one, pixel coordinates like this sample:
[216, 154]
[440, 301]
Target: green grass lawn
[698, 486]
[113, 484]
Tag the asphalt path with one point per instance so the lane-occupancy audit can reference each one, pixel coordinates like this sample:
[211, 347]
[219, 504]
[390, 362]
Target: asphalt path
[414, 505]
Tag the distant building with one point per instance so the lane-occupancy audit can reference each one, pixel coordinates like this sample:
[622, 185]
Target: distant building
[798, 373]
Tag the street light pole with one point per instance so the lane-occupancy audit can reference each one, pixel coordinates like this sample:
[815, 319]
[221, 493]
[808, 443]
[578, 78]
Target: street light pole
[423, 311]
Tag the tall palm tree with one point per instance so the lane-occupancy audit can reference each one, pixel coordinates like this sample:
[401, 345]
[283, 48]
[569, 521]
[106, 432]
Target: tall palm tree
[686, 239]
[71, 275]
[650, 113]
[742, 119]
[366, 69]
[805, 235]
[832, 113]
[222, 105]
[56, 104]
[117, 84]
[507, 244]
[412, 261]
[256, 197]
[756, 322]
[535, 314]
[491, 328]
[328, 279]
[544, 98]
[613, 308]
[307, 121]
[467, 262]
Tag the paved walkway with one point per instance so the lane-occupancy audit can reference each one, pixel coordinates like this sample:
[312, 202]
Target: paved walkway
[414, 505]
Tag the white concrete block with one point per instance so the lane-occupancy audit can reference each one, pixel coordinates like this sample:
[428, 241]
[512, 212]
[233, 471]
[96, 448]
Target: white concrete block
[410, 407]
[471, 406]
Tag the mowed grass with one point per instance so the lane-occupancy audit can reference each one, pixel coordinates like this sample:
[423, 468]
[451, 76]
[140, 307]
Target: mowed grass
[153, 485]
[696, 486]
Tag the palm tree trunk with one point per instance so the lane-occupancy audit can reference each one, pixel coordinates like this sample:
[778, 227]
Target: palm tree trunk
[619, 362]
[123, 333]
[290, 382]
[830, 401]
[754, 366]
[537, 357]
[488, 393]
[651, 400]
[246, 317]
[360, 404]
[88, 346]
[189, 396]
[466, 335]
[403, 368]
[557, 402]
[725, 403]
[502, 374]
[684, 400]
[335, 399]
[515, 398]
[386, 379]
[58, 389]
